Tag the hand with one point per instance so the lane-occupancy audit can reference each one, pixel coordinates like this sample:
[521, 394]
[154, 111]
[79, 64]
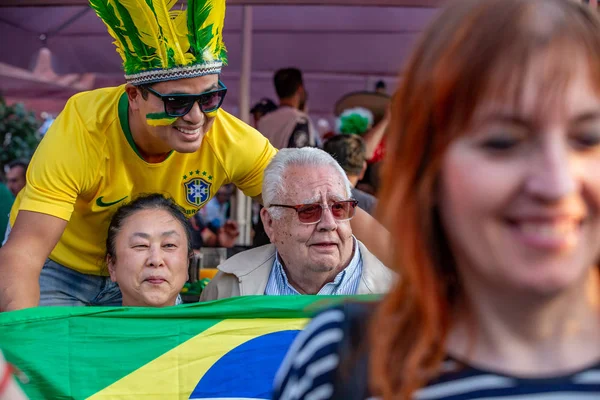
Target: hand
[228, 233]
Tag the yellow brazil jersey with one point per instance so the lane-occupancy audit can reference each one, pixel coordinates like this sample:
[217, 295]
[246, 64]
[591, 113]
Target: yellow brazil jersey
[87, 165]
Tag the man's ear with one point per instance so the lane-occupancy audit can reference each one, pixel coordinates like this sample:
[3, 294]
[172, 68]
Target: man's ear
[362, 171]
[267, 221]
[134, 95]
[110, 263]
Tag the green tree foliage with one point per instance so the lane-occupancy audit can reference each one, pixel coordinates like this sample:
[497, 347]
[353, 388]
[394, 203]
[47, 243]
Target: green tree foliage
[18, 132]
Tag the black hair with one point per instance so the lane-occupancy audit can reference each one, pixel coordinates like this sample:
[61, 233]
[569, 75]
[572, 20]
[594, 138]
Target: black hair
[144, 91]
[155, 201]
[380, 85]
[18, 163]
[264, 106]
[287, 81]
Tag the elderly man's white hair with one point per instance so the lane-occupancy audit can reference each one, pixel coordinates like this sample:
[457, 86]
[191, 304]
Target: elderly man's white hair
[273, 186]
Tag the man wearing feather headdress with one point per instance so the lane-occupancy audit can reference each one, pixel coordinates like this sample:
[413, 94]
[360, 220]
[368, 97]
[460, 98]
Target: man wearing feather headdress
[162, 132]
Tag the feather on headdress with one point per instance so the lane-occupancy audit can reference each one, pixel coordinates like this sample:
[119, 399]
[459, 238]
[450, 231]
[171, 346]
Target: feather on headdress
[158, 42]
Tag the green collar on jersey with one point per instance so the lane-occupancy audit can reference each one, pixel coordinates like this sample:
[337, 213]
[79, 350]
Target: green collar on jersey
[124, 119]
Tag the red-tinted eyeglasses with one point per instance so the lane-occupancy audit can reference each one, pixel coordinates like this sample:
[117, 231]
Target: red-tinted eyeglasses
[312, 213]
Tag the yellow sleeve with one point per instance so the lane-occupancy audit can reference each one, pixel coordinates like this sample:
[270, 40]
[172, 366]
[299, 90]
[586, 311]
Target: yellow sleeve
[63, 167]
[248, 176]
[245, 156]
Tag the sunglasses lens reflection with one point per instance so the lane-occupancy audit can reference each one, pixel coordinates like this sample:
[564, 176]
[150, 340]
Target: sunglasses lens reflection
[178, 107]
[211, 101]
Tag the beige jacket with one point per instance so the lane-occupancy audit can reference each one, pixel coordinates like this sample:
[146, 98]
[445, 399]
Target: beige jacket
[247, 273]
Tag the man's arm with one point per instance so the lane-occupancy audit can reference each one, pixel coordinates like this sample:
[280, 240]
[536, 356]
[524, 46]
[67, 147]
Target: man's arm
[375, 135]
[373, 235]
[31, 240]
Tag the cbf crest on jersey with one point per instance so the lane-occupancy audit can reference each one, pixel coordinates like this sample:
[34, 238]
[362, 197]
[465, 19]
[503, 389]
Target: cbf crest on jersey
[197, 191]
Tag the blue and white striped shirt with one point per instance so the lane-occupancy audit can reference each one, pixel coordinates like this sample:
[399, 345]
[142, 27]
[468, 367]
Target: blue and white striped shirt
[346, 282]
[310, 371]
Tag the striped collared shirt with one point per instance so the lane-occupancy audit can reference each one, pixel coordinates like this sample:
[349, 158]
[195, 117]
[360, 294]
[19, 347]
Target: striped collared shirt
[345, 282]
[313, 363]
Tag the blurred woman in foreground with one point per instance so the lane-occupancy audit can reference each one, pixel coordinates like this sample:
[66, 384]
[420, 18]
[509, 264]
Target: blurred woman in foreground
[492, 193]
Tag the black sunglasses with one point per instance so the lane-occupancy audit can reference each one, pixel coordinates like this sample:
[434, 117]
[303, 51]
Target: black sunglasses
[178, 105]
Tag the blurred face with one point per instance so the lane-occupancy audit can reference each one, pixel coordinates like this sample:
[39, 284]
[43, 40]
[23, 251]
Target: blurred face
[223, 195]
[186, 133]
[520, 192]
[317, 248]
[151, 263]
[15, 179]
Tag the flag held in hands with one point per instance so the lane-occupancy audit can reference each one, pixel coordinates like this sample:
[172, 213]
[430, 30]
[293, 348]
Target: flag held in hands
[227, 349]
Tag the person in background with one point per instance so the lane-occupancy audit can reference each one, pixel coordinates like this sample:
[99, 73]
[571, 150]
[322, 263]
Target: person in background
[204, 236]
[375, 152]
[148, 248]
[289, 125]
[212, 224]
[380, 87]
[359, 121]
[492, 195]
[218, 210]
[16, 172]
[6, 202]
[349, 151]
[259, 238]
[307, 216]
[260, 109]
[366, 114]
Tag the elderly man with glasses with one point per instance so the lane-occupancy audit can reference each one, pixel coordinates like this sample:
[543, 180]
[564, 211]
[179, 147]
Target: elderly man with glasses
[162, 131]
[307, 218]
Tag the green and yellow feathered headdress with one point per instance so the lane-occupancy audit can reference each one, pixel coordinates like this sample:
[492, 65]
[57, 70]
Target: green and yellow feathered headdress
[159, 43]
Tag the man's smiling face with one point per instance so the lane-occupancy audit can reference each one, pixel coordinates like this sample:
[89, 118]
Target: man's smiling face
[186, 133]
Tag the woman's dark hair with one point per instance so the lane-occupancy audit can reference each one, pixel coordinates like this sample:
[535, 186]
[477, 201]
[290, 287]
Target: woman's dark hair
[154, 201]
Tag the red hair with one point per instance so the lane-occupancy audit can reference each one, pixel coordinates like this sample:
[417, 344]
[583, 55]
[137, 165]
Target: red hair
[473, 51]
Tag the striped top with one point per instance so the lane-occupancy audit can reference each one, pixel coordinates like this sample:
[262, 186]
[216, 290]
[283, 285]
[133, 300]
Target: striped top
[309, 372]
[346, 281]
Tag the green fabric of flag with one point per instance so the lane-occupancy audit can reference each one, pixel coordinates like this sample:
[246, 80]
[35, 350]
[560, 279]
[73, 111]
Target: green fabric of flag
[178, 352]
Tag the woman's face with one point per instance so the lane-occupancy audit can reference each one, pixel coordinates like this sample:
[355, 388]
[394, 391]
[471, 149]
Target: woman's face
[151, 264]
[520, 191]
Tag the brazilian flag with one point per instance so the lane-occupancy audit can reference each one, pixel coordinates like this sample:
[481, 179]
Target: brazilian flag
[226, 349]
